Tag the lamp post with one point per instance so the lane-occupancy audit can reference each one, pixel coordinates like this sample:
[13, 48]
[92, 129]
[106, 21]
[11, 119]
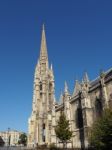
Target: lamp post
[8, 136]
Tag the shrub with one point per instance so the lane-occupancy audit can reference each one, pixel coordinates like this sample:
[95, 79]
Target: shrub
[52, 146]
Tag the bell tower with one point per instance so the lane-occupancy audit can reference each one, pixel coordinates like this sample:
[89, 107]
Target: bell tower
[40, 122]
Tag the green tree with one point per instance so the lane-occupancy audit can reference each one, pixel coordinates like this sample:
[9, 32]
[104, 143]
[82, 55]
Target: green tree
[1, 142]
[23, 139]
[101, 132]
[62, 130]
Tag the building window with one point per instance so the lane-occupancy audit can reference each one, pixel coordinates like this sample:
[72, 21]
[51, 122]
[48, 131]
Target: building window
[98, 107]
[40, 86]
[43, 132]
[110, 101]
[79, 118]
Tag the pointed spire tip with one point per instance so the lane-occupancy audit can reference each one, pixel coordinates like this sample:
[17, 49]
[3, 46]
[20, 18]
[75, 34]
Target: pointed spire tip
[86, 78]
[66, 87]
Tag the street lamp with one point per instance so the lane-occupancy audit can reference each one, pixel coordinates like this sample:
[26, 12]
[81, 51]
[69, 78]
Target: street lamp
[8, 136]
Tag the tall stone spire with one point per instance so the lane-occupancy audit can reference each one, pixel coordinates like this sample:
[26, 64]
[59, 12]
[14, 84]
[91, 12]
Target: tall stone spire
[41, 127]
[43, 53]
[43, 47]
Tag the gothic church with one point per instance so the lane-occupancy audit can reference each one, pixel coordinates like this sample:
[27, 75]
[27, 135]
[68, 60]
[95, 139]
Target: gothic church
[81, 108]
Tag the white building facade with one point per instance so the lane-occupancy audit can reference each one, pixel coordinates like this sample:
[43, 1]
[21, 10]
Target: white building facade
[11, 137]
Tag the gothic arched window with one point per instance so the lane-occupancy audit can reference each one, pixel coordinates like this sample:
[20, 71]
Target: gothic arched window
[110, 101]
[98, 107]
[79, 118]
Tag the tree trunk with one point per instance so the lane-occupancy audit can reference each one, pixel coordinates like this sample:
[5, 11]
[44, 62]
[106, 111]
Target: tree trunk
[64, 145]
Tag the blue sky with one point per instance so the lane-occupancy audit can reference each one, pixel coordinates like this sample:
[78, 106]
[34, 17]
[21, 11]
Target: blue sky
[79, 38]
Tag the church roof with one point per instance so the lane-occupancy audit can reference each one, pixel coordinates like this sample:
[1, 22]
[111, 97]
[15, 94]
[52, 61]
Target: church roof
[96, 83]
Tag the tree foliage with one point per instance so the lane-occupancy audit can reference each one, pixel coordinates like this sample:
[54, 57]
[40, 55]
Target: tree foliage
[101, 132]
[62, 129]
[23, 139]
[1, 142]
